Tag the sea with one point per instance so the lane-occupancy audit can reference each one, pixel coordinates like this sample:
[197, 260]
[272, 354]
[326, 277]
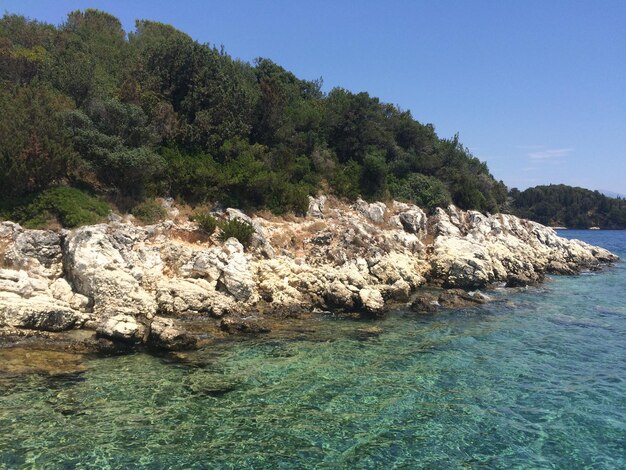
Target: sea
[535, 379]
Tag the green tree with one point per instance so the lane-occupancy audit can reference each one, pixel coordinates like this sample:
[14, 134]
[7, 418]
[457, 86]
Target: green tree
[34, 150]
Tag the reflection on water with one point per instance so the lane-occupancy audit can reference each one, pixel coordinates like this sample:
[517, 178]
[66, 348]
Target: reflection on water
[538, 380]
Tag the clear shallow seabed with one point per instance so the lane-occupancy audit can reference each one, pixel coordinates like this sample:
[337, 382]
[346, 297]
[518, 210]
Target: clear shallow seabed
[536, 379]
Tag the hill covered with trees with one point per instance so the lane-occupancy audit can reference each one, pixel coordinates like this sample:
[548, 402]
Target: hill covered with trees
[125, 116]
[562, 205]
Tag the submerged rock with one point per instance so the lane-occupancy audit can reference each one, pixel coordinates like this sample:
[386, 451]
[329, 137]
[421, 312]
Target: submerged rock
[369, 332]
[425, 303]
[28, 360]
[247, 325]
[457, 298]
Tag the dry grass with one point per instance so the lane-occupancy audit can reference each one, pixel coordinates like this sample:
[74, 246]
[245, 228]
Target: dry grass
[291, 217]
[189, 236]
[427, 239]
[268, 216]
[284, 238]
[316, 226]
[185, 211]
[333, 202]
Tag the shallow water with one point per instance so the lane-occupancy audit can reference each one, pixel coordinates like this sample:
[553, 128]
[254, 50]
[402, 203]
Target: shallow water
[536, 379]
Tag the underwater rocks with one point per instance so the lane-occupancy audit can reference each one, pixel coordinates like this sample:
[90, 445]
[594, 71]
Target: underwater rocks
[248, 325]
[147, 284]
[429, 302]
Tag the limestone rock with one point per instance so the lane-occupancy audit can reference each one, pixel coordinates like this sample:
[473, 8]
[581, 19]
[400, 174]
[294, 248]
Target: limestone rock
[37, 251]
[458, 298]
[398, 291]
[414, 220]
[61, 290]
[236, 277]
[122, 328]
[462, 263]
[316, 207]
[38, 312]
[97, 270]
[205, 264]
[191, 297]
[165, 333]
[371, 300]
[375, 211]
[117, 277]
[338, 295]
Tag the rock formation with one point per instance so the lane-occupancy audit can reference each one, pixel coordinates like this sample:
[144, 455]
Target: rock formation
[147, 284]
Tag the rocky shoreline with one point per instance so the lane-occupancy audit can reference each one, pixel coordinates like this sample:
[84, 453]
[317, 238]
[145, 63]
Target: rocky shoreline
[170, 286]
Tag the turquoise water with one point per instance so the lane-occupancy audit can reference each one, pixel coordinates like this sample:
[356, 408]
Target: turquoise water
[536, 379]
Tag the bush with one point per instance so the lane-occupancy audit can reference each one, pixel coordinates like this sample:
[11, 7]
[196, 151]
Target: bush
[374, 175]
[425, 191]
[149, 211]
[205, 221]
[70, 206]
[238, 229]
[345, 182]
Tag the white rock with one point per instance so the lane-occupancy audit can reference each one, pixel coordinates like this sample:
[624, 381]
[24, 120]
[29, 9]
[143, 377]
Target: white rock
[123, 327]
[39, 312]
[371, 300]
[316, 207]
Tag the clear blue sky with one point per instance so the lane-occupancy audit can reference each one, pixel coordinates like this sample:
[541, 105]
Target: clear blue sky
[535, 88]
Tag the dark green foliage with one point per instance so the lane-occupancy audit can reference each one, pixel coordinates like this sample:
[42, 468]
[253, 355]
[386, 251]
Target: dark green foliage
[149, 211]
[155, 113]
[34, 150]
[346, 180]
[115, 143]
[374, 175]
[205, 221]
[71, 207]
[238, 229]
[425, 191]
[562, 205]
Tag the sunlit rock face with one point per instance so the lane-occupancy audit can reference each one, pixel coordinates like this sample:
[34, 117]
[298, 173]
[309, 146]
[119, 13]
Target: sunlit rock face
[145, 284]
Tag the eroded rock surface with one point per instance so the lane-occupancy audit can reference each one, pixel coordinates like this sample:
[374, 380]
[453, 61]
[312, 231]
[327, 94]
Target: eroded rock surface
[146, 284]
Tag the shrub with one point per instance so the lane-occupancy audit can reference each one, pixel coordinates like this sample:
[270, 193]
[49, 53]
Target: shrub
[70, 206]
[374, 175]
[345, 181]
[239, 229]
[425, 191]
[149, 211]
[205, 221]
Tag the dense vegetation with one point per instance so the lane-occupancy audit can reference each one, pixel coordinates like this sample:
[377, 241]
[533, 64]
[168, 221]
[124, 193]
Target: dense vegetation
[561, 205]
[125, 116]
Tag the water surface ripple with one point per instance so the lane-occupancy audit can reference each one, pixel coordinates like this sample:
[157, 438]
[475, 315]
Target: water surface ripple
[536, 379]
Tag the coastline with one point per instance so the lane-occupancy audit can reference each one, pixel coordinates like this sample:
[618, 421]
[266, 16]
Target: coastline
[170, 287]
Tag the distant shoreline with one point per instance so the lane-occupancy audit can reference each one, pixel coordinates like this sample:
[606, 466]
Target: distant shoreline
[590, 228]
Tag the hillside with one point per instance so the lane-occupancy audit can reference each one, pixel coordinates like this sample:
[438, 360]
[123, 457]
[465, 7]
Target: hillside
[125, 116]
[562, 205]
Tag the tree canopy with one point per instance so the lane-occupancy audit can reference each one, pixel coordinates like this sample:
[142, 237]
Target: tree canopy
[152, 112]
